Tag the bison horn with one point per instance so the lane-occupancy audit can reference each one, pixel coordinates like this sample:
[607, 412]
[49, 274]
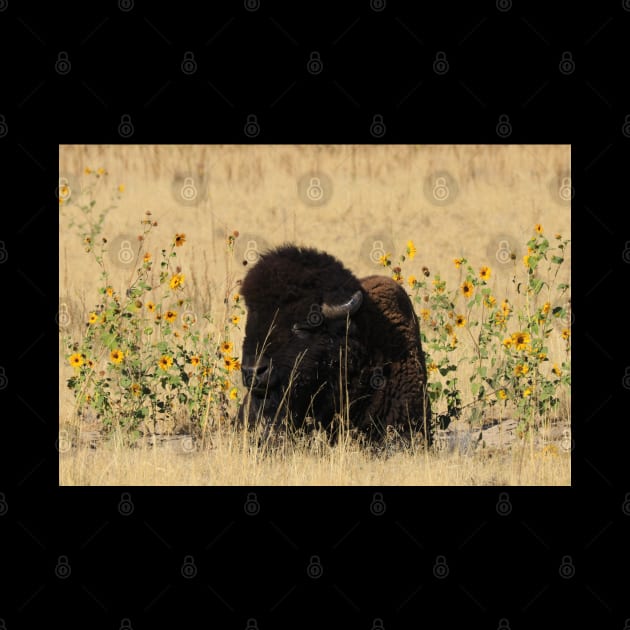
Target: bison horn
[334, 311]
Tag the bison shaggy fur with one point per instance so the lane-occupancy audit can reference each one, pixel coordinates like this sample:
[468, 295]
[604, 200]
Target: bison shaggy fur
[321, 345]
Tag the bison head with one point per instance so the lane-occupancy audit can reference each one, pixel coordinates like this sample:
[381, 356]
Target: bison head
[300, 339]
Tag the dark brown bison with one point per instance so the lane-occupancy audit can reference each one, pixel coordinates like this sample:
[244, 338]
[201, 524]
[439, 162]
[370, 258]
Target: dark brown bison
[321, 345]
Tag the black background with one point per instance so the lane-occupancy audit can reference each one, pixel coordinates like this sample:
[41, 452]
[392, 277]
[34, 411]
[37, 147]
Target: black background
[377, 568]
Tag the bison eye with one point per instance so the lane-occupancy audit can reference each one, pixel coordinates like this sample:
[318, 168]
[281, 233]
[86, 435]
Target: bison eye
[301, 330]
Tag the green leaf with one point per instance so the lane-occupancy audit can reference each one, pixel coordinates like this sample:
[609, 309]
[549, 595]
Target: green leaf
[162, 347]
[558, 260]
[536, 285]
[109, 340]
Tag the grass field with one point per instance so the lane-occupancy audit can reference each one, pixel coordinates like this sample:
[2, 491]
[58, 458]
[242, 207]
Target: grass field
[362, 204]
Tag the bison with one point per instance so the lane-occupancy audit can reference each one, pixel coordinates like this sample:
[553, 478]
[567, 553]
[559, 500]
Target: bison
[321, 345]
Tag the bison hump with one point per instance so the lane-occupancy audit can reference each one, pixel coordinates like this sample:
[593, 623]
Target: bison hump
[389, 298]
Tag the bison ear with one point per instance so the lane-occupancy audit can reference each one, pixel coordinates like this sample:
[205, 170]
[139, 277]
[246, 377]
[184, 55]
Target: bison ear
[335, 310]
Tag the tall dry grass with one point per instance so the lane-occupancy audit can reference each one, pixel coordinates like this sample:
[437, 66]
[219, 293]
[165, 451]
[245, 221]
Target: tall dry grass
[229, 464]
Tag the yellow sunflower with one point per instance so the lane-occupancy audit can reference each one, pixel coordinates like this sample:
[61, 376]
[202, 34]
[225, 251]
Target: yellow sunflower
[467, 289]
[226, 347]
[411, 250]
[177, 281]
[76, 360]
[116, 356]
[521, 369]
[165, 362]
[521, 340]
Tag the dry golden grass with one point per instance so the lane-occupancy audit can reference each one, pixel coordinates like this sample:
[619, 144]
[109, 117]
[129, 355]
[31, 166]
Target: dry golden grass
[230, 465]
[378, 193]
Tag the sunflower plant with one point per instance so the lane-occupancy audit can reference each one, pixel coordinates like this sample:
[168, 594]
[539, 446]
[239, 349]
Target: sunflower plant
[144, 357]
[509, 350]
